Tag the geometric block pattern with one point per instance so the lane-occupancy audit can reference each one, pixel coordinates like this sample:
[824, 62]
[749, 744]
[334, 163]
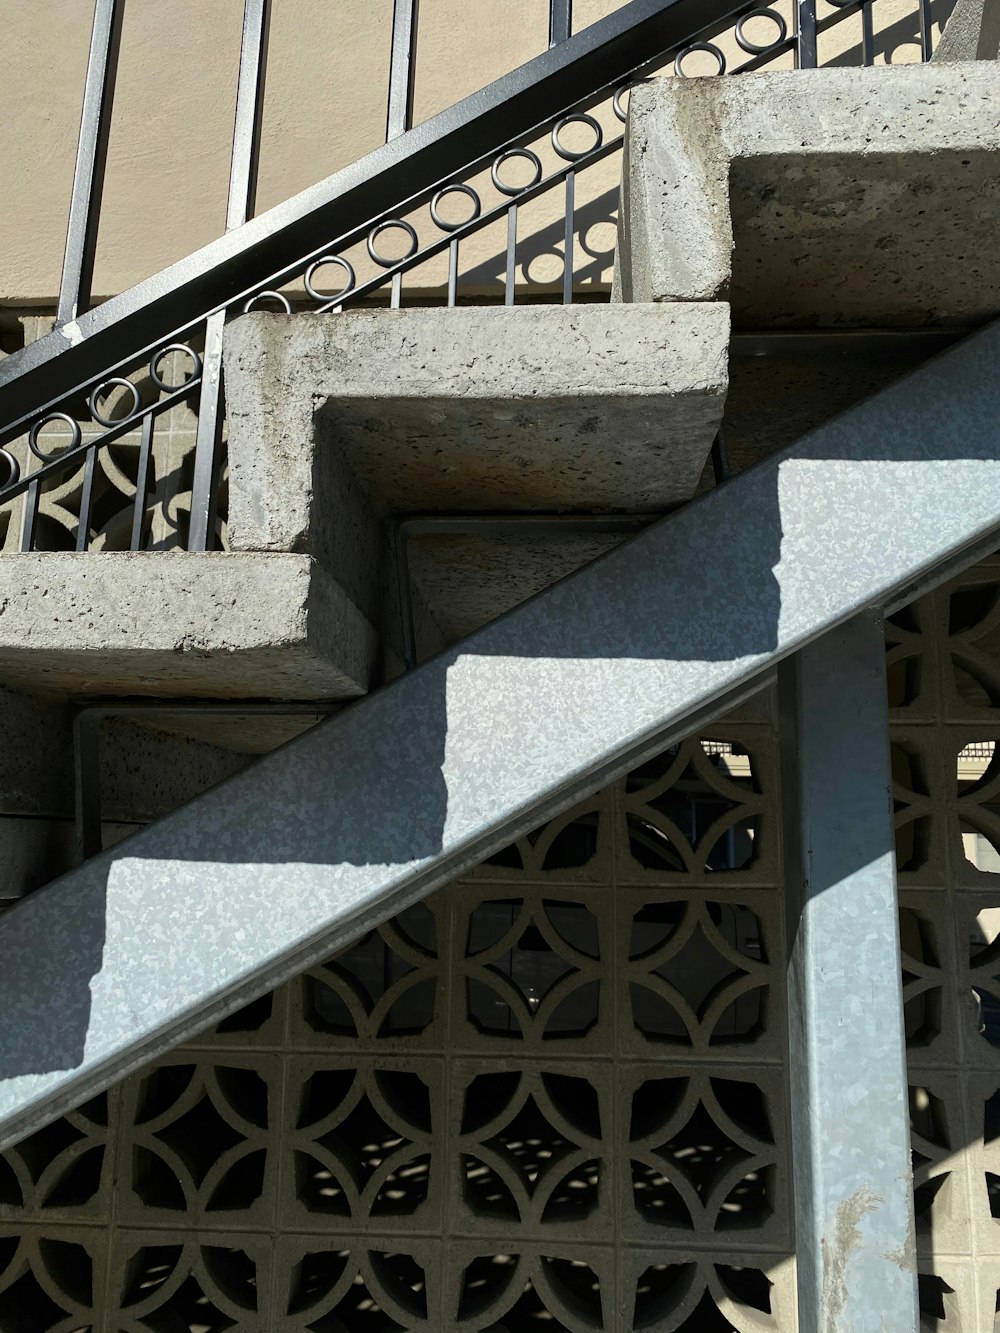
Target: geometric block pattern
[944, 686]
[554, 1094]
[120, 479]
[551, 1095]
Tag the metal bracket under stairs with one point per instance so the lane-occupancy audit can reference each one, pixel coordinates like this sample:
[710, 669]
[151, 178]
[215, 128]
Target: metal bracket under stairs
[161, 936]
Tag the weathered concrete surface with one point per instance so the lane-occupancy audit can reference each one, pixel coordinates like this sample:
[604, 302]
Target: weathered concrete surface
[805, 379]
[32, 853]
[547, 407]
[251, 625]
[971, 33]
[142, 774]
[336, 421]
[826, 197]
[232, 732]
[472, 579]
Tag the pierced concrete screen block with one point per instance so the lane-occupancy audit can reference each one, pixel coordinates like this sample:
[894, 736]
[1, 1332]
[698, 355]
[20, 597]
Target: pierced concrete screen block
[552, 1094]
[847, 196]
[944, 683]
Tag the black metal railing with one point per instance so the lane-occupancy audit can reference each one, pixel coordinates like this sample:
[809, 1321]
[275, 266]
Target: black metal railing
[112, 376]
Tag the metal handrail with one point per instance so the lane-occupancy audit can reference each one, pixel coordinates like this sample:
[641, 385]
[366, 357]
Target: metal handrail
[91, 351]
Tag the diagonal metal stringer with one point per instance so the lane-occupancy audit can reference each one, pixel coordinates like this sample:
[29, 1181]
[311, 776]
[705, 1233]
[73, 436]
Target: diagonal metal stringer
[153, 941]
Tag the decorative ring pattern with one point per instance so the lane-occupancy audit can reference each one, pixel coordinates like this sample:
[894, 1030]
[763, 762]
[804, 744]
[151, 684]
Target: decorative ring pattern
[443, 193]
[154, 367]
[316, 265]
[576, 118]
[754, 48]
[13, 470]
[102, 390]
[385, 225]
[525, 155]
[256, 302]
[708, 47]
[39, 426]
[620, 110]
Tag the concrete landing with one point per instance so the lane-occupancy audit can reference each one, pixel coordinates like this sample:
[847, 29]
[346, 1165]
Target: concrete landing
[831, 197]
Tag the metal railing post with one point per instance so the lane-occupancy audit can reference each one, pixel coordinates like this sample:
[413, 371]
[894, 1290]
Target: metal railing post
[399, 113]
[855, 1246]
[91, 155]
[807, 47]
[560, 21]
[240, 206]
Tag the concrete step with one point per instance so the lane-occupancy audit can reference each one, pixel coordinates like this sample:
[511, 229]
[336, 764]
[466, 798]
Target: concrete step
[338, 421]
[817, 198]
[252, 882]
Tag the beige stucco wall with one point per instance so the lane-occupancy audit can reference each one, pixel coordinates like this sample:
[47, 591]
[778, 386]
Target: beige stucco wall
[324, 107]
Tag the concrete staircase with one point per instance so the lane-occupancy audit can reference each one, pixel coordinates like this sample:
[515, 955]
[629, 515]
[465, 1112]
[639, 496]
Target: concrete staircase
[253, 881]
[339, 425]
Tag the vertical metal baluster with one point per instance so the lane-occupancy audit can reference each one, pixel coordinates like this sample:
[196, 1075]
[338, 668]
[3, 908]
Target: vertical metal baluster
[91, 155]
[86, 499]
[568, 246]
[511, 254]
[249, 111]
[453, 271]
[142, 482]
[867, 35]
[560, 21]
[806, 54]
[242, 191]
[397, 290]
[201, 534]
[399, 113]
[30, 516]
[926, 36]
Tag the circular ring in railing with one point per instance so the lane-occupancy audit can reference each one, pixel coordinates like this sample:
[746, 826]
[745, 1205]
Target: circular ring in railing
[378, 229]
[576, 118]
[526, 155]
[752, 48]
[616, 102]
[13, 469]
[708, 48]
[443, 193]
[279, 298]
[321, 297]
[102, 391]
[154, 367]
[39, 426]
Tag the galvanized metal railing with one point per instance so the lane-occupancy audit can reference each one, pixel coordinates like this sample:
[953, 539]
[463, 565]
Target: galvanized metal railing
[111, 373]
